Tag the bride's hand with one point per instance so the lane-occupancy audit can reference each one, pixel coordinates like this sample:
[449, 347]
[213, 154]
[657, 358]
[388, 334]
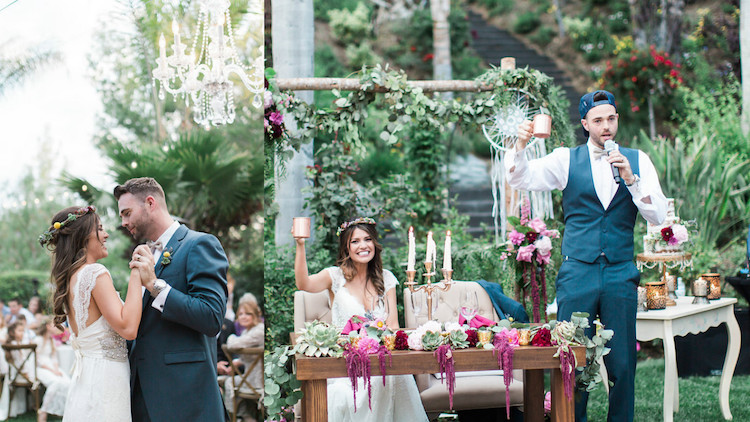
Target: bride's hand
[144, 261]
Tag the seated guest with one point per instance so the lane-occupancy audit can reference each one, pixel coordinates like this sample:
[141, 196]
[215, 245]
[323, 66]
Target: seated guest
[55, 380]
[4, 309]
[35, 308]
[248, 315]
[16, 336]
[252, 301]
[16, 309]
[28, 335]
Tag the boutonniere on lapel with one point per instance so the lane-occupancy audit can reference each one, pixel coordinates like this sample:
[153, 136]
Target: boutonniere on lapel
[166, 257]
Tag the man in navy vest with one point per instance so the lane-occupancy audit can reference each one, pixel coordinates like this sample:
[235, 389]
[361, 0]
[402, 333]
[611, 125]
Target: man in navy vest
[597, 274]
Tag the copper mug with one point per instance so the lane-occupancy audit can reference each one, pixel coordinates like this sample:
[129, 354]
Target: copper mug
[301, 227]
[542, 126]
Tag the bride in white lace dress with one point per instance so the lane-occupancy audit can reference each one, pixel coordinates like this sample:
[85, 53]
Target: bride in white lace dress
[357, 279]
[101, 322]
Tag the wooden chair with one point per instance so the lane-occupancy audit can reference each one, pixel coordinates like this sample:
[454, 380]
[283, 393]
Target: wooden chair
[19, 374]
[242, 389]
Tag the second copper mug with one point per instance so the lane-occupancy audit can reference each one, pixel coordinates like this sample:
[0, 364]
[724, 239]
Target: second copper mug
[542, 126]
[301, 227]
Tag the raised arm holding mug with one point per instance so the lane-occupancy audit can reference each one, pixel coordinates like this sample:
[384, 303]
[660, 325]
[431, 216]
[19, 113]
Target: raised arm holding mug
[604, 188]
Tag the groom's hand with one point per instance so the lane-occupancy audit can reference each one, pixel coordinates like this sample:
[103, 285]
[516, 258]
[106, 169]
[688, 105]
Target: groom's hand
[143, 259]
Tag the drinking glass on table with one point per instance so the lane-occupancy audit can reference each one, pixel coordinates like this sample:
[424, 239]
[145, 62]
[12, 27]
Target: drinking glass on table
[435, 300]
[469, 304]
[416, 304]
[379, 308]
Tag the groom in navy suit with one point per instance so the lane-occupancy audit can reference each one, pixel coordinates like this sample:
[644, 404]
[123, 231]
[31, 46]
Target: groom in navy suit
[173, 359]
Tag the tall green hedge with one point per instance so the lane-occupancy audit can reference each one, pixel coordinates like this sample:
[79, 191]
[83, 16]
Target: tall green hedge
[20, 284]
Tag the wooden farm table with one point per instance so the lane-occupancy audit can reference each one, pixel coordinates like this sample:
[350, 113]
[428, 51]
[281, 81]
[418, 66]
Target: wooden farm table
[688, 318]
[313, 373]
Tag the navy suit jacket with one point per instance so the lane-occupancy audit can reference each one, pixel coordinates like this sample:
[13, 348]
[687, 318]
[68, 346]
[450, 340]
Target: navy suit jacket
[174, 355]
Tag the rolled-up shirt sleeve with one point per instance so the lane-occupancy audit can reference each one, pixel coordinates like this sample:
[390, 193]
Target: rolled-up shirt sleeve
[542, 174]
[647, 194]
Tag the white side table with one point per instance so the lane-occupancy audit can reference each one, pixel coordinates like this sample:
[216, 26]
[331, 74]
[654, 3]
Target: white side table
[681, 320]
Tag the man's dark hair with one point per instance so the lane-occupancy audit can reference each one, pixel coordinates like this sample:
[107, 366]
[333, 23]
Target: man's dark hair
[600, 96]
[140, 187]
[17, 300]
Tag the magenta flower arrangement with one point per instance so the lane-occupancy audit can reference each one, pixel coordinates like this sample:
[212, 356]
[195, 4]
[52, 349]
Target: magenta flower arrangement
[442, 339]
[533, 243]
[676, 234]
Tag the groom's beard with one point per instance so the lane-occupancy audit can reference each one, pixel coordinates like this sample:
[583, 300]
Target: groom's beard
[137, 237]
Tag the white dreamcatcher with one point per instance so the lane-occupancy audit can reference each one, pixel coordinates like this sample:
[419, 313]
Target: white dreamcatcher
[502, 134]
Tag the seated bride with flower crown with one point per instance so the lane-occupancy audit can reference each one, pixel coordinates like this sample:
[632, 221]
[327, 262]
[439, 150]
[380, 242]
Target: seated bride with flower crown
[358, 285]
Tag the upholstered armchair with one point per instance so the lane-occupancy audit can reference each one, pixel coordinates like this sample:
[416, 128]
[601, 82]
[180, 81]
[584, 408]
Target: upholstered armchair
[474, 390]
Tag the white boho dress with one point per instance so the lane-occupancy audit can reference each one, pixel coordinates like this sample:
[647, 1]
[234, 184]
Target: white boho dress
[100, 388]
[397, 401]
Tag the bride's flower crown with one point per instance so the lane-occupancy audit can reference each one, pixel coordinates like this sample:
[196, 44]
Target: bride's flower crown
[358, 220]
[48, 235]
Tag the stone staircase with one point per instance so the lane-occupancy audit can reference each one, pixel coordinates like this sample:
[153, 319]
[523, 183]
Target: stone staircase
[477, 204]
[492, 44]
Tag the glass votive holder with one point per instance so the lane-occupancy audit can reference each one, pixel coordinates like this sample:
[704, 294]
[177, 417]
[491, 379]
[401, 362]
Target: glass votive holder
[656, 295]
[671, 286]
[524, 337]
[700, 291]
[642, 299]
[485, 337]
[714, 285]
[389, 341]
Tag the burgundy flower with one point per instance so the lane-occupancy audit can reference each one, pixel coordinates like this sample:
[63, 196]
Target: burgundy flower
[402, 340]
[531, 236]
[667, 234]
[542, 338]
[472, 337]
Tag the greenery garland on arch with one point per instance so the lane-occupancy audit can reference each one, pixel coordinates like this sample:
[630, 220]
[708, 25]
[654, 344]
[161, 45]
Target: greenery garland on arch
[408, 104]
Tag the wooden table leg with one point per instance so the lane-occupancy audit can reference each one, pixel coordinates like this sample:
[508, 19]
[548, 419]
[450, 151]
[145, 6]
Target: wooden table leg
[563, 409]
[533, 395]
[315, 401]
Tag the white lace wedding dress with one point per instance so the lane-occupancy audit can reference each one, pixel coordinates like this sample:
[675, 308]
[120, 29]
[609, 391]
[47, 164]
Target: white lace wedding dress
[100, 389]
[398, 400]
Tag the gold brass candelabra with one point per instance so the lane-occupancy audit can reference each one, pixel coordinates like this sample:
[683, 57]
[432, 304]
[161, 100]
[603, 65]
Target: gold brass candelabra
[428, 287]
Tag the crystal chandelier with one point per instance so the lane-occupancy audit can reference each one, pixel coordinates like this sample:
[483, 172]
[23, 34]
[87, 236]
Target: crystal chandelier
[206, 80]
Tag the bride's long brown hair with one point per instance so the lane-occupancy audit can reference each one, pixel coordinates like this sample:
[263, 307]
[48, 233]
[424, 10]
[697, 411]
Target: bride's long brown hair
[374, 267]
[68, 246]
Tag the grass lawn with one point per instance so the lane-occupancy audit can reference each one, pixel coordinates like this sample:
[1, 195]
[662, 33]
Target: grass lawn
[699, 397]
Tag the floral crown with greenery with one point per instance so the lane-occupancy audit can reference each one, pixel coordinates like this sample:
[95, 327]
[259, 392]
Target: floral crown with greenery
[47, 236]
[358, 220]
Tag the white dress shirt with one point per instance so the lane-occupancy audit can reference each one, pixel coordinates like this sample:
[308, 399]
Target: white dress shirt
[165, 237]
[551, 172]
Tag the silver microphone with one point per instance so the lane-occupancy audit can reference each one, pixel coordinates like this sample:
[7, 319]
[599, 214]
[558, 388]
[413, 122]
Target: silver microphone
[611, 146]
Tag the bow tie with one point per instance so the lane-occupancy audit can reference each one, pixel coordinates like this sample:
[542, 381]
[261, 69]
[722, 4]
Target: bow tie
[155, 246]
[599, 153]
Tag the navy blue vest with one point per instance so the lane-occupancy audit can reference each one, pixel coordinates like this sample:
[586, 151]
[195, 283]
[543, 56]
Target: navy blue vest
[590, 230]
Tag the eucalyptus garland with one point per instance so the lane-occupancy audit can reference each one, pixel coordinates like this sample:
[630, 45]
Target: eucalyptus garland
[408, 104]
